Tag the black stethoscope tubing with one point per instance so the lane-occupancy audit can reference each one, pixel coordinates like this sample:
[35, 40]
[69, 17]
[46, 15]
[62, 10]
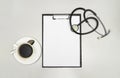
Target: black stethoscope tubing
[97, 20]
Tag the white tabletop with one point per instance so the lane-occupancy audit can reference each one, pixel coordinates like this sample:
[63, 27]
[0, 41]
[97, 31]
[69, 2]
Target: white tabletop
[20, 18]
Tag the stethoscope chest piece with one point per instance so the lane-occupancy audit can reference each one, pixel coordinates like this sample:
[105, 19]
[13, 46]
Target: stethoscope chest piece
[26, 50]
[75, 27]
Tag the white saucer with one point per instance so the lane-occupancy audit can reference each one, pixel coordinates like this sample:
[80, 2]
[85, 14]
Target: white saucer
[36, 51]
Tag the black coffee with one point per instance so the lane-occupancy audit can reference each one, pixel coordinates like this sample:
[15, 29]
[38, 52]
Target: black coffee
[25, 50]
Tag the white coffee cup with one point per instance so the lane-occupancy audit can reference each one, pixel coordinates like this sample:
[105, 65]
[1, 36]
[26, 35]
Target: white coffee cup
[27, 50]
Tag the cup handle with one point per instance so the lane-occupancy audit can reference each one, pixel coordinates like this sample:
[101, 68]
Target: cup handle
[31, 42]
[13, 50]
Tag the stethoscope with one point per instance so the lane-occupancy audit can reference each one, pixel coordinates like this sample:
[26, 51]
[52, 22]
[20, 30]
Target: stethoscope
[97, 20]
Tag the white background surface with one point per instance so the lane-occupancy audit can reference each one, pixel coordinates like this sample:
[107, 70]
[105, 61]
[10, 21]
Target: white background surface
[18, 18]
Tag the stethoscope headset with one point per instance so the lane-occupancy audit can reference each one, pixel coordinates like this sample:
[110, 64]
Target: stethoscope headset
[85, 19]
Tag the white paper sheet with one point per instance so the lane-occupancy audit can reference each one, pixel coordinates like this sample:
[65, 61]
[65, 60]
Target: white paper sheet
[61, 46]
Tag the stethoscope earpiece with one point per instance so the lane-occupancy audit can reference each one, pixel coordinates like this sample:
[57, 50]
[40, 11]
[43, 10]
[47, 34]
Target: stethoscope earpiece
[104, 35]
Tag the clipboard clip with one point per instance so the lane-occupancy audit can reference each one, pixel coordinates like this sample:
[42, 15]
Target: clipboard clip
[60, 17]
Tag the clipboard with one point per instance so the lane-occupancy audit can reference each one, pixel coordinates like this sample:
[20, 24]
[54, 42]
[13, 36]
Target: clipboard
[61, 48]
